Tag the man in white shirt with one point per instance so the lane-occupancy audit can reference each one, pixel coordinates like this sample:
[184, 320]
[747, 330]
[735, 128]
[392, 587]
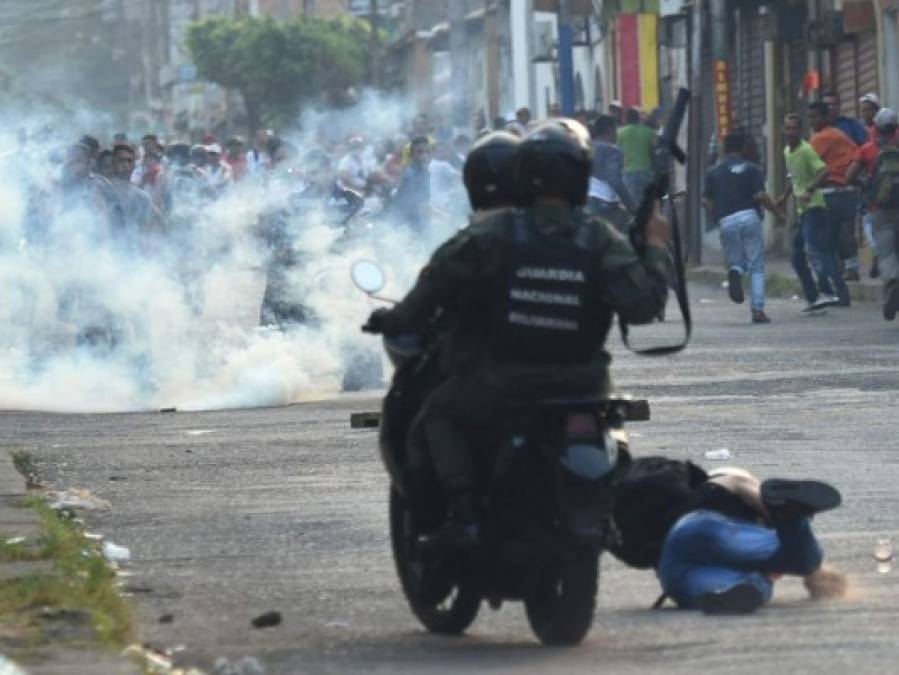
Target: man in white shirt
[258, 158]
[353, 170]
[218, 174]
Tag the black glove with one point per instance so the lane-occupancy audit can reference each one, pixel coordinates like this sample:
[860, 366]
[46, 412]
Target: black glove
[382, 321]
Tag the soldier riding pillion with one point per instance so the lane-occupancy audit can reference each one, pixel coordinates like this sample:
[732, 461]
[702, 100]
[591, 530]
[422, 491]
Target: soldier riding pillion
[527, 297]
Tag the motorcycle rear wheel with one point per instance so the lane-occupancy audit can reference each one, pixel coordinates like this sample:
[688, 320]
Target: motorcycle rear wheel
[561, 602]
[453, 607]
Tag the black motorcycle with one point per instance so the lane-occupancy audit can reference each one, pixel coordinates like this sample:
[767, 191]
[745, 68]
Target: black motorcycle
[544, 501]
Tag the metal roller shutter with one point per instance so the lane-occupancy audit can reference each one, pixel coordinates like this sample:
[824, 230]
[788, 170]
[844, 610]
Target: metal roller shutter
[797, 51]
[846, 77]
[749, 83]
[867, 64]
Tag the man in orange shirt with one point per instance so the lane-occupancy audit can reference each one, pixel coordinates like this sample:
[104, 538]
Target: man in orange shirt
[838, 152]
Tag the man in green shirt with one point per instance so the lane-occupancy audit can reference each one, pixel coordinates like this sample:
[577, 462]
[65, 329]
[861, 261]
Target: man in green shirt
[636, 141]
[808, 173]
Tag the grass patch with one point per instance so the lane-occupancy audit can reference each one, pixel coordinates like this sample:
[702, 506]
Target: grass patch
[779, 286]
[81, 581]
[24, 464]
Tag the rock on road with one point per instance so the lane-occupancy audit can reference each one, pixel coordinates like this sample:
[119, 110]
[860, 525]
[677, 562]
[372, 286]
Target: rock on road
[231, 514]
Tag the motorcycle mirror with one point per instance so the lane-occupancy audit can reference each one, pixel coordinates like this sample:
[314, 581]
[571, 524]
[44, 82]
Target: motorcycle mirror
[368, 276]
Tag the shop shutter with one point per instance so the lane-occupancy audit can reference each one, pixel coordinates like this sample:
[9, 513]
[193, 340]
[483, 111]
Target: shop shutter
[846, 77]
[867, 64]
[749, 94]
[797, 51]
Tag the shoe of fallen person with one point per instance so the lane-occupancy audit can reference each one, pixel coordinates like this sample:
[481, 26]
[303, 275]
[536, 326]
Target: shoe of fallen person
[759, 316]
[799, 498]
[738, 599]
[891, 301]
[735, 286]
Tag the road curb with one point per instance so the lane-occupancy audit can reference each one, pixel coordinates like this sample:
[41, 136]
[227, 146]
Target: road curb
[18, 522]
[778, 285]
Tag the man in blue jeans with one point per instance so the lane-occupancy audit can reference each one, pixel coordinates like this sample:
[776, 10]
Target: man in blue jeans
[724, 555]
[818, 233]
[734, 191]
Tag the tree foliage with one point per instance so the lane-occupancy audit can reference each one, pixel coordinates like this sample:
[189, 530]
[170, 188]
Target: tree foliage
[279, 65]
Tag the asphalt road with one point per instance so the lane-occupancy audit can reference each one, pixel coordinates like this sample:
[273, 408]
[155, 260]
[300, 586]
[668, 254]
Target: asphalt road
[231, 514]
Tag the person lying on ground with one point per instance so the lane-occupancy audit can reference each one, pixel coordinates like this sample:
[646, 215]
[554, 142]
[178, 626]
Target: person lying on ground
[742, 534]
[717, 541]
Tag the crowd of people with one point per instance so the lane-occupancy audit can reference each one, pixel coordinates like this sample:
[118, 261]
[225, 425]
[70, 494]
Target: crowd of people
[140, 186]
[844, 181]
[147, 198]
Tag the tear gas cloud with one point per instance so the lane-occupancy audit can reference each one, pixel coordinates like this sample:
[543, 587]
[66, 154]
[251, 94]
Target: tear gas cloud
[95, 322]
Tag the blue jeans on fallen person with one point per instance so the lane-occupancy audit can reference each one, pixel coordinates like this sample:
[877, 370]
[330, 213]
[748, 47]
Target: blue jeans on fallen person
[822, 237]
[708, 552]
[743, 242]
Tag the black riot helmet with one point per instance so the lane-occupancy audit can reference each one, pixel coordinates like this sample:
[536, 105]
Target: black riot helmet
[488, 171]
[554, 160]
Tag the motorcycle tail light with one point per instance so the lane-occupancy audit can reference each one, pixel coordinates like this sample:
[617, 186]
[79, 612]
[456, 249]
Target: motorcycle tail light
[581, 425]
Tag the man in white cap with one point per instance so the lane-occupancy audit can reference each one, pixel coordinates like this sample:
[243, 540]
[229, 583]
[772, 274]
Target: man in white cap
[218, 174]
[868, 106]
[879, 159]
[616, 110]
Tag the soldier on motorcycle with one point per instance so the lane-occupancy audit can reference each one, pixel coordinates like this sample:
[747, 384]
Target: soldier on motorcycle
[529, 296]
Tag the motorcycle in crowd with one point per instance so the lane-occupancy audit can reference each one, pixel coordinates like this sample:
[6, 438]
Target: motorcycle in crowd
[545, 500]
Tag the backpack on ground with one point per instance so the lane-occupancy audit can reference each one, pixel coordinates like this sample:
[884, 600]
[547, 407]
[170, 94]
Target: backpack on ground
[885, 180]
[653, 494]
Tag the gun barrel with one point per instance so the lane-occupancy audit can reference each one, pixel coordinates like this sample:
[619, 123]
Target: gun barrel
[676, 119]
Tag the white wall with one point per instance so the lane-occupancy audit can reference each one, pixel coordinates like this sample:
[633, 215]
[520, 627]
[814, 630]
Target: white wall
[544, 73]
[521, 20]
[889, 58]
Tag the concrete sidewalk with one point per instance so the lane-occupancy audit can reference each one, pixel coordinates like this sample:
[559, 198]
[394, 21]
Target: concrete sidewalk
[781, 281]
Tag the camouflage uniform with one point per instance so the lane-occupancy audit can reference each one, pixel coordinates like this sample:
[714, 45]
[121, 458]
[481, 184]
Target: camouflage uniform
[462, 277]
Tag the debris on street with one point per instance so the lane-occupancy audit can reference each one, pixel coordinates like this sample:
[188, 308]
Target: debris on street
[115, 553]
[719, 455]
[248, 665]
[78, 499]
[267, 620]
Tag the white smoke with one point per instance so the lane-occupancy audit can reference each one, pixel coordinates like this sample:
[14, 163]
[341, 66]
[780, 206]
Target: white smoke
[186, 314]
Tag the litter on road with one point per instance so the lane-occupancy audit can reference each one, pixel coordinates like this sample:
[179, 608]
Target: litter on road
[267, 620]
[78, 499]
[248, 665]
[115, 553]
[720, 454]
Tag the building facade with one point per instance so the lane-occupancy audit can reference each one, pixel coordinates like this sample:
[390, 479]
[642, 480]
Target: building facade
[487, 58]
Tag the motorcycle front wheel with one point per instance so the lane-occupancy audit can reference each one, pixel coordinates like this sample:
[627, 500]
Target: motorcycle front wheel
[437, 594]
[562, 599]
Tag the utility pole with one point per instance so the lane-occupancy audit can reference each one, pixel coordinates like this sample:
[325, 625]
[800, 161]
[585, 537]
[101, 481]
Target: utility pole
[697, 142]
[566, 58]
[458, 65]
[522, 19]
[374, 45]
